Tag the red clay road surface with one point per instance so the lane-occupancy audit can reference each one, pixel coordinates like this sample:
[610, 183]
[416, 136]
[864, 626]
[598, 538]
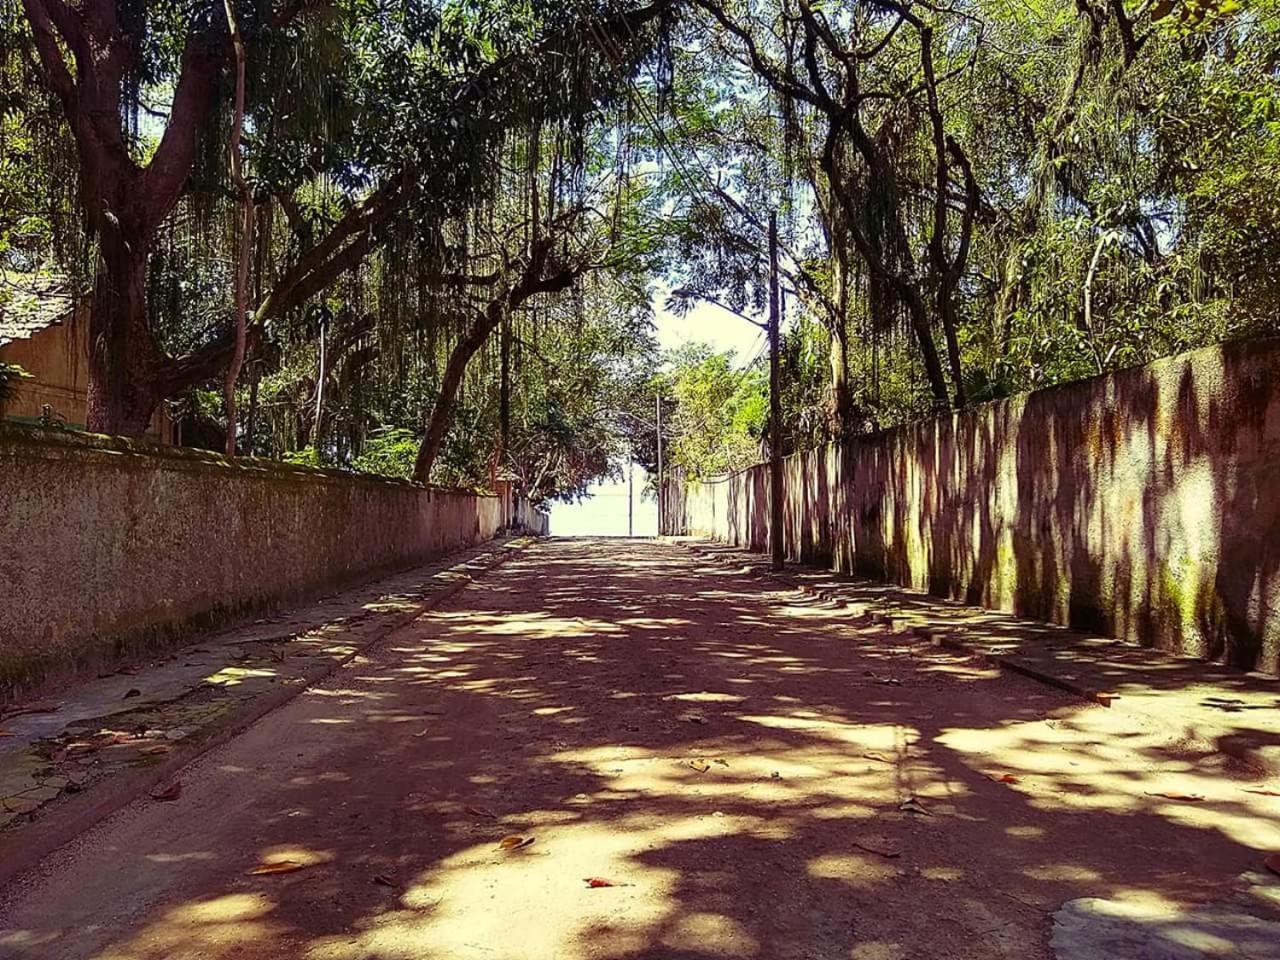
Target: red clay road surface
[757, 775]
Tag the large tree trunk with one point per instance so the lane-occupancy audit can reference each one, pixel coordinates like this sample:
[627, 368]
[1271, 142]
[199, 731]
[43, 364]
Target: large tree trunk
[462, 353]
[928, 349]
[947, 312]
[125, 365]
[533, 279]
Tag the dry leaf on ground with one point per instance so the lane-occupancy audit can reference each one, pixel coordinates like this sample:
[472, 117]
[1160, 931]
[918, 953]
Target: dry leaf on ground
[170, 791]
[913, 805]
[596, 883]
[1002, 777]
[881, 848]
[384, 879]
[700, 765]
[878, 757]
[1174, 795]
[514, 842]
[278, 866]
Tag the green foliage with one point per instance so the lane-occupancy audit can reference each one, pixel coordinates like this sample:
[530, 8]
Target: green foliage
[11, 377]
[718, 415]
[388, 452]
[306, 457]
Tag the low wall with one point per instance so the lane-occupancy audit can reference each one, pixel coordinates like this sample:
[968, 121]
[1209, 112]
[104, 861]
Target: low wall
[1143, 505]
[109, 547]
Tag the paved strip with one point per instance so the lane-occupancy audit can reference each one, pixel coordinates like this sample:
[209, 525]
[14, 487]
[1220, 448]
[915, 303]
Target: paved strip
[65, 765]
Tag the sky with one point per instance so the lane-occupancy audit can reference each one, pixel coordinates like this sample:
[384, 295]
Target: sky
[604, 512]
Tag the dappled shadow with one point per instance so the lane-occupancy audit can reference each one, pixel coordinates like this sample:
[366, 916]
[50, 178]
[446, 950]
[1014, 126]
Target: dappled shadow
[1140, 505]
[762, 774]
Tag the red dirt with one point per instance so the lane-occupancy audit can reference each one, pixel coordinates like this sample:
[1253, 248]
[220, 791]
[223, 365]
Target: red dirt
[757, 776]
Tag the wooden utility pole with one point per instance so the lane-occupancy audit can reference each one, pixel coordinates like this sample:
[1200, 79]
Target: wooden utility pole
[661, 511]
[777, 547]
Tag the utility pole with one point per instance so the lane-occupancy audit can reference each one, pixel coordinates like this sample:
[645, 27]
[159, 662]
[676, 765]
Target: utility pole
[631, 502]
[776, 545]
[661, 527]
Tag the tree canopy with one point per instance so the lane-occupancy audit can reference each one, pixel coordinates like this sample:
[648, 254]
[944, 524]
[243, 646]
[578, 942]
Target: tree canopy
[422, 237]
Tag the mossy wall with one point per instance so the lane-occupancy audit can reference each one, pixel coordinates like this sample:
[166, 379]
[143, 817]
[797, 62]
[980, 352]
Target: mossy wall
[1143, 505]
[110, 547]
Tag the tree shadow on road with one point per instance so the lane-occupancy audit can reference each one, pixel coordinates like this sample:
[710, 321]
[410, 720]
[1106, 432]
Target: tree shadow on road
[762, 778]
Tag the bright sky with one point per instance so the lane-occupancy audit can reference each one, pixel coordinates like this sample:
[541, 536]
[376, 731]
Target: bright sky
[707, 324]
[604, 512]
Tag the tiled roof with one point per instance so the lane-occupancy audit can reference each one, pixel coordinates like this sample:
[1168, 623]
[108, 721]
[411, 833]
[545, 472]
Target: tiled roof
[30, 303]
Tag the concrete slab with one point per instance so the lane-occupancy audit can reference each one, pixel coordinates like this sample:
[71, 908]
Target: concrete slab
[1093, 928]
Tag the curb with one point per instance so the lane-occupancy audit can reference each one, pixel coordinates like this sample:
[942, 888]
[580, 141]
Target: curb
[1265, 762]
[32, 843]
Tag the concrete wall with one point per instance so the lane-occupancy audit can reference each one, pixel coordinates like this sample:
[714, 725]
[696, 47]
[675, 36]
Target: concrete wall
[57, 361]
[109, 547]
[1143, 505]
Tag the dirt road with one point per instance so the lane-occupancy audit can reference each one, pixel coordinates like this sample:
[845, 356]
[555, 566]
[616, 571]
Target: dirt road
[757, 775]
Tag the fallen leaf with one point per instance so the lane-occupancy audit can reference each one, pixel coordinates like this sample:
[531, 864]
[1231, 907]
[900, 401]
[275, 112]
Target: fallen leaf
[1272, 863]
[595, 883]
[1183, 797]
[134, 692]
[880, 849]
[723, 763]
[913, 805]
[693, 718]
[878, 757]
[514, 842]
[482, 812]
[384, 879]
[700, 765]
[43, 706]
[1259, 791]
[1002, 777]
[278, 866]
[171, 791]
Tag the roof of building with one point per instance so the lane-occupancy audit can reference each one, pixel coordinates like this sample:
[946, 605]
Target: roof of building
[31, 302]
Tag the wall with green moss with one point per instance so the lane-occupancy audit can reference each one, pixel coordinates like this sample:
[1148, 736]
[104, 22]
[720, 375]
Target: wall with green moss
[110, 547]
[1143, 505]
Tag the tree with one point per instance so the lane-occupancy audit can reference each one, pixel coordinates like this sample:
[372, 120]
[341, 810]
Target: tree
[416, 98]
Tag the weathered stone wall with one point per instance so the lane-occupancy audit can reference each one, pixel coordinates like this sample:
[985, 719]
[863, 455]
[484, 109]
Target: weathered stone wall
[108, 547]
[1143, 505]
